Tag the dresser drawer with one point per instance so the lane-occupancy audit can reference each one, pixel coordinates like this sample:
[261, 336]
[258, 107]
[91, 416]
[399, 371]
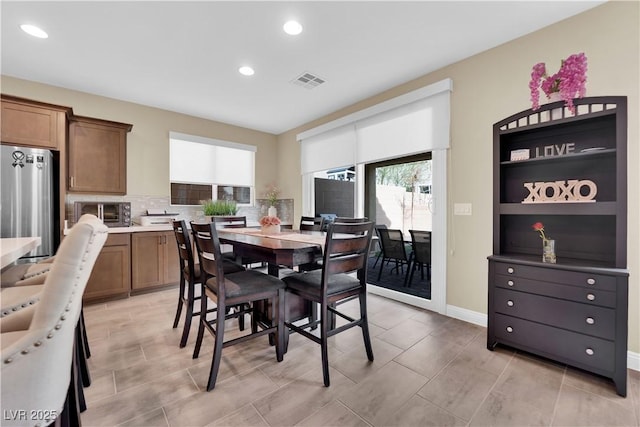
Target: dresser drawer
[569, 347]
[573, 293]
[574, 278]
[583, 318]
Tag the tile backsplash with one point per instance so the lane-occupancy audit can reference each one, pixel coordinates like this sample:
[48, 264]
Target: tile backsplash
[140, 205]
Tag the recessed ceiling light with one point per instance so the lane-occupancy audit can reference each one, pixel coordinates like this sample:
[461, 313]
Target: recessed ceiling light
[292, 27]
[246, 71]
[34, 31]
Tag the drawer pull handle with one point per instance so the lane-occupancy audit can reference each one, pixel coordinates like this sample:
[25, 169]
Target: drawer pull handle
[510, 270]
[590, 321]
[510, 303]
[590, 351]
[591, 297]
[510, 282]
[591, 281]
[509, 329]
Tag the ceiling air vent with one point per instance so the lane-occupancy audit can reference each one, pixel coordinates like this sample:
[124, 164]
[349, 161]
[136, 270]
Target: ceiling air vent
[308, 80]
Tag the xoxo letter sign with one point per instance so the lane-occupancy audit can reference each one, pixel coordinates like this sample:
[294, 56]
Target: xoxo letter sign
[569, 191]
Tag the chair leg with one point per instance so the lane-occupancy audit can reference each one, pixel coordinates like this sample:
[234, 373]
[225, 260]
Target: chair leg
[217, 348]
[324, 344]
[380, 271]
[365, 325]
[81, 357]
[280, 339]
[85, 339]
[203, 319]
[377, 258]
[180, 298]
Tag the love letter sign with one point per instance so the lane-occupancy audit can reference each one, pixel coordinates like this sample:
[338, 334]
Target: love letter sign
[569, 191]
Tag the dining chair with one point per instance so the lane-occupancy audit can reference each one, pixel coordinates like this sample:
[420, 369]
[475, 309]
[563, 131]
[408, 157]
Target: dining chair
[393, 249]
[190, 274]
[310, 223]
[39, 364]
[239, 288]
[234, 222]
[345, 252]
[350, 220]
[420, 255]
[378, 244]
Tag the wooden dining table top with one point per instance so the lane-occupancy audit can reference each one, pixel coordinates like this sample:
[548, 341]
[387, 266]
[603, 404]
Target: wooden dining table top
[288, 247]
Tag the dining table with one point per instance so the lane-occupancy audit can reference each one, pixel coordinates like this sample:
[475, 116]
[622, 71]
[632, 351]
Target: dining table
[288, 248]
[12, 248]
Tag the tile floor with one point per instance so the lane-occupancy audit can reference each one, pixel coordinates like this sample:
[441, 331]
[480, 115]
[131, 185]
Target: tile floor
[429, 370]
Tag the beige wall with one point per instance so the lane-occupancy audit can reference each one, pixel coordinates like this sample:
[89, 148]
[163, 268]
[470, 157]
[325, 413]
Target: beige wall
[491, 86]
[148, 141]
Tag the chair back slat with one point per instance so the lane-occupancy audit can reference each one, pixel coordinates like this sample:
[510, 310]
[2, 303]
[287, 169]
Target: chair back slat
[421, 242]
[230, 221]
[346, 249]
[350, 220]
[208, 247]
[310, 223]
[185, 251]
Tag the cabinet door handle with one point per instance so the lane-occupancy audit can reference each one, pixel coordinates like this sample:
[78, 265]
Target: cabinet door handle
[591, 281]
[509, 329]
[590, 351]
[591, 297]
[510, 270]
[71, 181]
[510, 303]
[510, 282]
[590, 320]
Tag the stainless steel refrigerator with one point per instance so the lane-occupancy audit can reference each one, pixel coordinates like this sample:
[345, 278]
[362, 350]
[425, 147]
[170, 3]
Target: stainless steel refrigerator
[27, 197]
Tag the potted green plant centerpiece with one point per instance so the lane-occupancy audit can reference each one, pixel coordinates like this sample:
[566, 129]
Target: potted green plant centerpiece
[212, 208]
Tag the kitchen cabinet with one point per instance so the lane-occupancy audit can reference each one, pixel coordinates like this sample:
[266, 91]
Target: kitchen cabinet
[97, 156]
[111, 275]
[33, 124]
[155, 260]
[568, 172]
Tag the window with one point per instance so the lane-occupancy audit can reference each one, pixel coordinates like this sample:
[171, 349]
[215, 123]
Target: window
[204, 168]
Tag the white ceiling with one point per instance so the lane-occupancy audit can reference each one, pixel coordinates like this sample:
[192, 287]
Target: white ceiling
[184, 56]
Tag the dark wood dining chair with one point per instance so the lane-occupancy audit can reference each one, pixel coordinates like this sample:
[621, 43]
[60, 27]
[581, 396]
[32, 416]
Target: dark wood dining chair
[230, 221]
[190, 275]
[241, 288]
[346, 250]
[350, 220]
[420, 255]
[393, 249]
[235, 222]
[310, 223]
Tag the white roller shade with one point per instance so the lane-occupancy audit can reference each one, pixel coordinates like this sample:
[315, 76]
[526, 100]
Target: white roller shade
[413, 128]
[196, 159]
[234, 167]
[329, 150]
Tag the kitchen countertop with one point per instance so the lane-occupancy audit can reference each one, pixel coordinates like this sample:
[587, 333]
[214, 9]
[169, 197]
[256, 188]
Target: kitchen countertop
[143, 228]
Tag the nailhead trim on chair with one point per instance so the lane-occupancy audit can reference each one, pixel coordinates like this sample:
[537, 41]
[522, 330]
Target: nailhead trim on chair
[18, 307]
[62, 316]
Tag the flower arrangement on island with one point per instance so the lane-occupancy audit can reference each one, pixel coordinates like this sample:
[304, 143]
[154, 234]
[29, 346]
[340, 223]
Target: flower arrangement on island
[266, 221]
[568, 82]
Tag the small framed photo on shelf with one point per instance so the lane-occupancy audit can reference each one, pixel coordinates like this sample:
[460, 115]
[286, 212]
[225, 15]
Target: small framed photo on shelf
[522, 154]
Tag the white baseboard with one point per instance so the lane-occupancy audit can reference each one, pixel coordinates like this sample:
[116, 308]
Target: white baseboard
[480, 319]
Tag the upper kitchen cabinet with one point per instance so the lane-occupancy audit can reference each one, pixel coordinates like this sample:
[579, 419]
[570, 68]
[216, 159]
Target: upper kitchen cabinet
[97, 156]
[33, 124]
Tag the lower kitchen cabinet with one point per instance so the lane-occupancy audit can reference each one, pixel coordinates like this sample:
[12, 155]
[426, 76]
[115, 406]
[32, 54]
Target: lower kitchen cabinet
[154, 256]
[111, 275]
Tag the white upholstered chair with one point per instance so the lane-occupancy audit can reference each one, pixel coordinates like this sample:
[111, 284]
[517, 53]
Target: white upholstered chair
[37, 351]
